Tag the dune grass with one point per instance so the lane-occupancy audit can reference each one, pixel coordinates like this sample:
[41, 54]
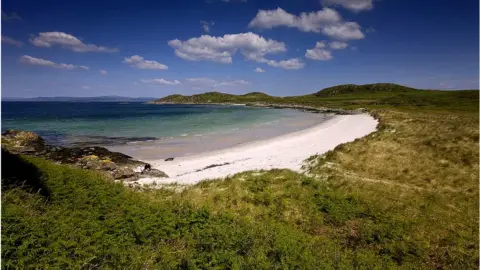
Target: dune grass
[404, 197]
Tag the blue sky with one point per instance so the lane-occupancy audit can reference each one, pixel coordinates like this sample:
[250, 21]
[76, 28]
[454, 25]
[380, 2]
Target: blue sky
[286, 47]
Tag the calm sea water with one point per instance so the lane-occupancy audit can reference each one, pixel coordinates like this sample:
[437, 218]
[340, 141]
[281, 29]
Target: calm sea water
[142, 125]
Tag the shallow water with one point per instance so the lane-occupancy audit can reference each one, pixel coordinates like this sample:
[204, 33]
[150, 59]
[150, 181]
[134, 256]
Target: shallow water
[149, 131]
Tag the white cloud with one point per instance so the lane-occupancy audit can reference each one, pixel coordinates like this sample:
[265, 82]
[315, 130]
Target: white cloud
[352, 5]
[160, 81]
[319, 52]
[307, 22]
[103, 72]
[11, 41]
[84, 67]
[326, 21]
[199, 83]
[207, 25]
[222, 49]
[139, 62]
[344, 31]
[259, 70]
[86, 87]
[67, 41]
[26, 59]
[338, 45]
[293, 63]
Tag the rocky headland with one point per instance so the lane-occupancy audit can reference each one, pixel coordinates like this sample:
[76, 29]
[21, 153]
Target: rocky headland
[118, 166]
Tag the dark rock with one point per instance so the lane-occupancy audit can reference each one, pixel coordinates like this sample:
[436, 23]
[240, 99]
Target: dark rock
[124, 173]
[154, 173]
[117, 165]
[169, 159]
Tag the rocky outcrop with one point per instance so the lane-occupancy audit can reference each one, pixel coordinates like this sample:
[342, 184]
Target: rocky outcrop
[117, 165]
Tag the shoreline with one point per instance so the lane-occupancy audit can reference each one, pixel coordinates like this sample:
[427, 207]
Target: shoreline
[287, 151]
[274, 106]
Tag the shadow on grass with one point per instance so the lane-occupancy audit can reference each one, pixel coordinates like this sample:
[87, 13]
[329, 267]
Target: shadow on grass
[19, 173]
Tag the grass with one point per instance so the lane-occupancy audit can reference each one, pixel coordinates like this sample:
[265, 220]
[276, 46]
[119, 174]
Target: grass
[404, 197]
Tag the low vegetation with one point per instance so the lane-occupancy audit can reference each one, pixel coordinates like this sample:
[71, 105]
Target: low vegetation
[404, 197]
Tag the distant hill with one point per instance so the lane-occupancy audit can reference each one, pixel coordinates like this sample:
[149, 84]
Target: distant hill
[82, 99]
[365, 88]
[214, 97]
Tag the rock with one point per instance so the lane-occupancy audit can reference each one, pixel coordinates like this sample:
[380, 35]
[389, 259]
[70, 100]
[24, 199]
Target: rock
[169, 159]
[154, 173]
[17, 141]
[95, 163]
[119, 166]
[66, 155]
[124, 173]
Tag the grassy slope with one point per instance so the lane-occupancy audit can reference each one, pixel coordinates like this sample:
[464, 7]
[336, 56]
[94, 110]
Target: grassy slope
[214, 97]
[403, 197]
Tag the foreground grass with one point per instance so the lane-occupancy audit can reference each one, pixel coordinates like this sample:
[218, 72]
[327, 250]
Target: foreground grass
[404, 197]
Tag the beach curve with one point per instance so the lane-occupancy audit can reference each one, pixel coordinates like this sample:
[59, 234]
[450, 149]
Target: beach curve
[283, 152]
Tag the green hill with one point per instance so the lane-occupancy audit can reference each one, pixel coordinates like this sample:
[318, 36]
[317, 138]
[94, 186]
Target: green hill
[213, 97]
[365, 88]
[335, 91]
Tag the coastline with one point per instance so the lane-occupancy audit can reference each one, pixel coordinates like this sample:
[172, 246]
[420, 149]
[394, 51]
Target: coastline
[272, 106]
[283, 152]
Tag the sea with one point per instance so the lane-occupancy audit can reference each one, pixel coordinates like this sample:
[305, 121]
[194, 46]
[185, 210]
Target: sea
[152, 131]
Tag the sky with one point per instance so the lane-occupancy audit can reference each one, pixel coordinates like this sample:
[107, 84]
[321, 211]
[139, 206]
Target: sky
[284, 47]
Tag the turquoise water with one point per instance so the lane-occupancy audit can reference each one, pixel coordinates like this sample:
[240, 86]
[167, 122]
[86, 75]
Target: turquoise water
[139, 125]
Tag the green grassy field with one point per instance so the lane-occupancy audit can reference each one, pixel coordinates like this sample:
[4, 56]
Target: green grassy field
[404, 197]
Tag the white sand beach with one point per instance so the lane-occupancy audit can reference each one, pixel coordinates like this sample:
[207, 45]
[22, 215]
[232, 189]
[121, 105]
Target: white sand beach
[284, 152]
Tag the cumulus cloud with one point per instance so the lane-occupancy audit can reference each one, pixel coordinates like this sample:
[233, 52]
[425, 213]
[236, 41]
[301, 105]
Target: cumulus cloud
[207, 25]
[136, 61]
[12, 17]
[103, 72]
[222, 49]
[319, 52]
[11, 41]
[160, 82]
[259, 70]
[326, 21]
[337, 45]
[67, 41]
[344, 31]
[293, 63]
[26, 59]
[352, 5]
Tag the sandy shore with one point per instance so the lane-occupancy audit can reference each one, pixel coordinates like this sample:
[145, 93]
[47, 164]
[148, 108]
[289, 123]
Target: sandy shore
[286, 151]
